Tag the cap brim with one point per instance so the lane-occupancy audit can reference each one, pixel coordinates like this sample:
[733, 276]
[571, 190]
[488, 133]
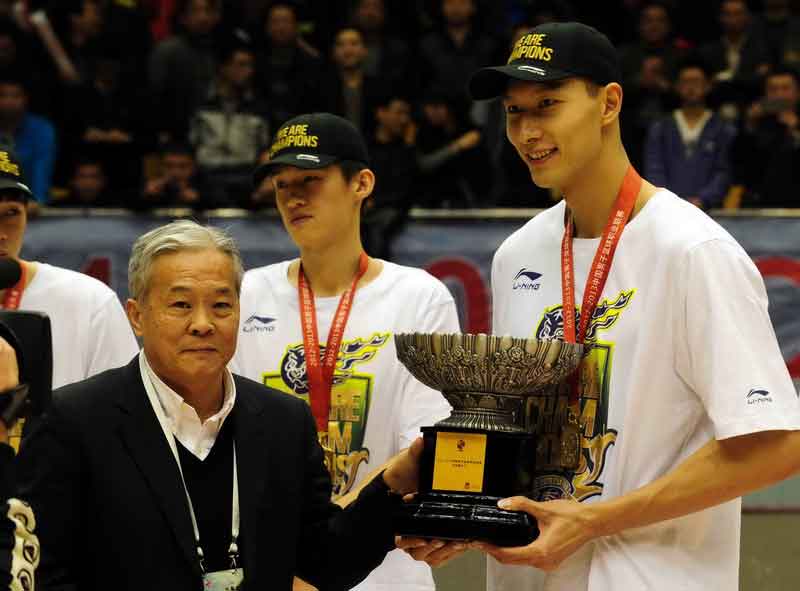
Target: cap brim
[298, 160]
[489, 83]
[6, 183]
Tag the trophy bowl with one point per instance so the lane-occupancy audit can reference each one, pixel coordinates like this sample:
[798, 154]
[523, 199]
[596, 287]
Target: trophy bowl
[487, 448]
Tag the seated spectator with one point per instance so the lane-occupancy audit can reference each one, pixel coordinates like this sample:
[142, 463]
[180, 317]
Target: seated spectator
[87, 186]
[648, 67]
[183, 66]
[767, 151]
[288, 67]
[451, 54]
[32, 137]
[782, 33]
[347, 90]
[79, 26]
[452, 155]
[393, 160]
[17, 55]
[689, 150]
[655, 38]
[387, 56]
[180, 183]
[738, 58]
[231, 127]
[104, 117]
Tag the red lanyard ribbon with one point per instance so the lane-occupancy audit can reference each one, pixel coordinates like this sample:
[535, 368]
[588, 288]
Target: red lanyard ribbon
[13, 294]
[320, 372]
[601, 265]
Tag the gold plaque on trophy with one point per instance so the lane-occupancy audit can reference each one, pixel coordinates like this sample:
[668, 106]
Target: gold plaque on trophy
[459, 461]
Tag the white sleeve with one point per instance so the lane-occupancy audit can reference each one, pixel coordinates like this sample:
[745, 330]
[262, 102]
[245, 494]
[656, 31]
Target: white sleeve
[421, 405]
[238, 363]
[111, 340]
[728, 353]
[495, 299]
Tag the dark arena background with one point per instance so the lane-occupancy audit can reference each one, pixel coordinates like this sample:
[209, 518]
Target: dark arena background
[126, 114]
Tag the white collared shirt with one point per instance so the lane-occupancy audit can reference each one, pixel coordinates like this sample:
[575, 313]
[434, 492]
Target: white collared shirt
[195, 435]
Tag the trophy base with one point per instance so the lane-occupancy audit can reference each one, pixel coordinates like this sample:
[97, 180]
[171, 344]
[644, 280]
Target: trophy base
[454, 516]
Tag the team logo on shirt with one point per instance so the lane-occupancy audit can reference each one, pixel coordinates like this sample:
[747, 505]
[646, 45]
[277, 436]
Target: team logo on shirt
[597, 438]
[526, 280]
[350, 401]
[259, 324]
[758, 396]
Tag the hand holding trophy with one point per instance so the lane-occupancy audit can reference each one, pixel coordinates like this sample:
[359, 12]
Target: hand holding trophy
[490, 447]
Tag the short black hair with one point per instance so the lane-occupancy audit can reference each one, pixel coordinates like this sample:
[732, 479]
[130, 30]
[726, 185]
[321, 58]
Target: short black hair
[238, 40]
[15, 195]
[693, 62]
[15, 78]
[87, 160]
[177, 148]
[784, 70]
[350, 168]
[390, 94]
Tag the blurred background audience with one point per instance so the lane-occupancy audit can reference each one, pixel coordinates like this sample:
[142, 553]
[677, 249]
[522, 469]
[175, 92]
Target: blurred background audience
[99, 96]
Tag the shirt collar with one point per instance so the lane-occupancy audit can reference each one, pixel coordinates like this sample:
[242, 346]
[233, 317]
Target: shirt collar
[174, 405]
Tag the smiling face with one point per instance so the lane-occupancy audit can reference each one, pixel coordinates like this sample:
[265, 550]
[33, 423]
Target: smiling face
[188, 317]
[13, 220]
[320, 207]
[556, 128]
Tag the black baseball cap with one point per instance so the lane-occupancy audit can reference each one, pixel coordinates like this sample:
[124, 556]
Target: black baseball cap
[11, 176]
[311, 141]
[552, 51]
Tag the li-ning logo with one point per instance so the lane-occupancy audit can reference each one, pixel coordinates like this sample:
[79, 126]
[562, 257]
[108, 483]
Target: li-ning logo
[758, 396]
[259, 324]
[308, 157]
[525, 279]
[533, 69]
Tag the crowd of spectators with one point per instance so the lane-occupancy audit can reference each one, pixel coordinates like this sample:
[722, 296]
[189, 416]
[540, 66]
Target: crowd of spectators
[145, 103]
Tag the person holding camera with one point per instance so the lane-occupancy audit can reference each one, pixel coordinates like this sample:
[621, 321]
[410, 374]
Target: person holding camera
[180, 183]
[767, 152]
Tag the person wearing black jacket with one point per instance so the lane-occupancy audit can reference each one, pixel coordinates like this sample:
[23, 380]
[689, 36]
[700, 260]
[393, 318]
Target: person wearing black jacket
[129, 473]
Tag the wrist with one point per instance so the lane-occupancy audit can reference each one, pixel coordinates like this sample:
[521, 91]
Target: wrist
[600, 518]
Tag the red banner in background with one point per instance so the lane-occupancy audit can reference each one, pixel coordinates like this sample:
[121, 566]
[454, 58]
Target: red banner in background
[788, 269]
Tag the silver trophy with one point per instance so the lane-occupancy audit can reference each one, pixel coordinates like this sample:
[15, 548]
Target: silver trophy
[492, 444]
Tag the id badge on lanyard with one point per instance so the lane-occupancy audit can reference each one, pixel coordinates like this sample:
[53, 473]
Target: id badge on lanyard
[223, 580]
[228, 579]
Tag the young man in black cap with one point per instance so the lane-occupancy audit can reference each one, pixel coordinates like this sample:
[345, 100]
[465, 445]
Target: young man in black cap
[683, 401]
[344, 307]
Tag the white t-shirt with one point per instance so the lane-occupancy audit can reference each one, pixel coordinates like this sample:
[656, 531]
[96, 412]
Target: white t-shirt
[91, 332]
[685, 352]
[381, 406]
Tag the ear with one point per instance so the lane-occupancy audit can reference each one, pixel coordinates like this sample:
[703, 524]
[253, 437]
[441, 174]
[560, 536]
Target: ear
[365, 182]
[611, 102]
[134, 312]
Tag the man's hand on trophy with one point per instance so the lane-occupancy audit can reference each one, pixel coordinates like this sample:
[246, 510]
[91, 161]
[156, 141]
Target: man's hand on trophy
[564, 526]
[402, 474]
[433, 552]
